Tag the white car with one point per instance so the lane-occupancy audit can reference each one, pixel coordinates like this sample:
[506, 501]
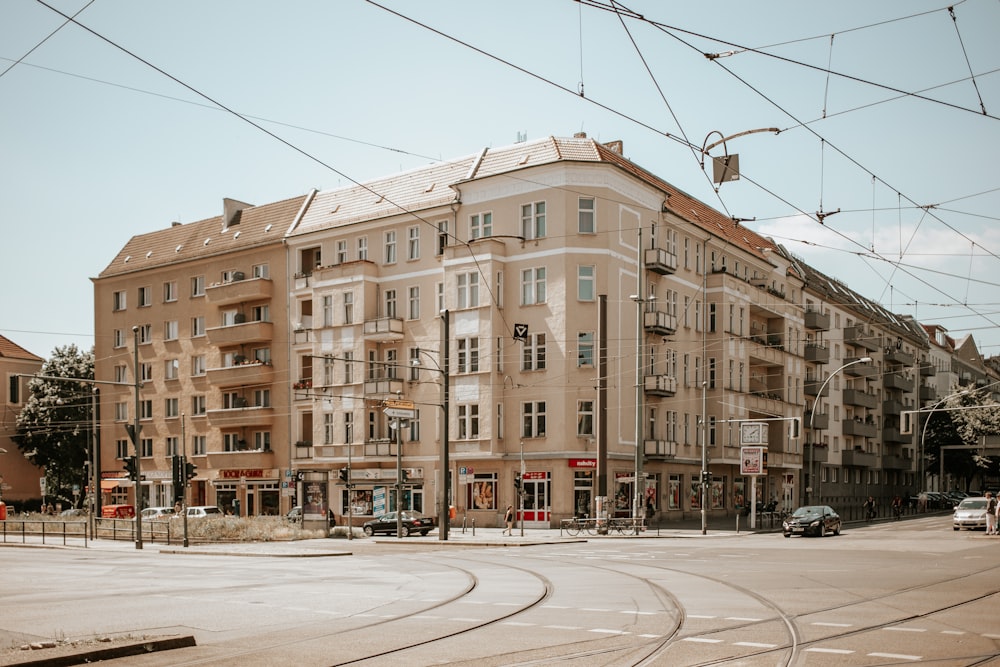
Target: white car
[970, 513]
[157, 512]
[203, 511]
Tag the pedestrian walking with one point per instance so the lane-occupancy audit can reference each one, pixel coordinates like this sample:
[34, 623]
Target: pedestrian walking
[508, 520]
[991, 514]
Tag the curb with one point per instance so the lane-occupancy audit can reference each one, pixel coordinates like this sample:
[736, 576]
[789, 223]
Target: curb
[111, 653]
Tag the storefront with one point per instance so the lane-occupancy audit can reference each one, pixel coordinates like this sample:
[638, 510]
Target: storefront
[248, 492]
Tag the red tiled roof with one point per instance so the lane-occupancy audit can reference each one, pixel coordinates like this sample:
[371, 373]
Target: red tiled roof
[11, 350]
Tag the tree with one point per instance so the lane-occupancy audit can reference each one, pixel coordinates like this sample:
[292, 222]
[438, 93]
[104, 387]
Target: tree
[962, 420]
[53, 428]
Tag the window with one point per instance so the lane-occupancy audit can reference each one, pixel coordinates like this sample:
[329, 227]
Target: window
[170, 367]
[348, 427]
[414, 366]
[391, 365]
[231, 442]
[260, 271]
[121, 447]
[328, 371]
[262, 398]
[170, 291]
[198, 444]
[585, 283]
[413, 301]
[482, 493]
[414, 423]
[348, 307]
[468, 421]
[198, 365]
[341, 252]
[146, 409]
[390, 303]
[145, 297]
[363, 248]
[328, 427]
[532, 286]
[170, 330]
[533, 353]
[439, 290]
[468, 290]
[413, 243]
[586, 222]
[121, 373]
[533, 220]
[348, 367]
[198, 286]
[173, 445]
[262, 354]
[390, 247]
[198, 404]
[171, 407]
[146, 333]
[121, 411]
[260, 313]
[198, 326]
[118, 301]
[533, 419]
[262, 441]
[442, 237]
[585, 418]
[468, 355]
[147, 447]
[585, 348]
[327, 310]
[480, 225]
[119, 338]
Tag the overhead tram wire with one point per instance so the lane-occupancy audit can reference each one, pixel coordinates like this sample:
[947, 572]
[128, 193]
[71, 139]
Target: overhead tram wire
[20, 60]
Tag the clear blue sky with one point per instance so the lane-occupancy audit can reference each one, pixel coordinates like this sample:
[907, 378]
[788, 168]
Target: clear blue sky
[97, 146]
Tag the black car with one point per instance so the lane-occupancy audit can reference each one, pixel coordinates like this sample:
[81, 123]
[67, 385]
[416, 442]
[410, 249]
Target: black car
[818, 520]
[413, 522]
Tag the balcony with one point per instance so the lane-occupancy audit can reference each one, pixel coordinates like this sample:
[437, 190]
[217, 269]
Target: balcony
[380, 447]
[859, 428]
[812, 385]
[241, 334]
[817, 354]
[928, 393]
[891, 434]
[660, 385]
[240, 374]
[248, 416]
[860, 398]
[760, 350]
[896, 463]
[660, 449]
[766, 402]
[660, 261]
[820, 453]
[384, 329]
[239, 291]
[897, 381]
[820, 421]
[817, 321]
[857, 370]
[927, 369]
[383, 387]
[659, 323]
[858, 337]
[894, 356]
[858, 458]
[892, 407]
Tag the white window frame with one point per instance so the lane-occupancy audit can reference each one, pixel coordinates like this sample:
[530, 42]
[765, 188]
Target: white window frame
[533, 286]
[533, 419]
[481, 225]
[468, 290]
[533, 352]
[413, 243]
[586, 282]
[586, 215]
[533, 220]
[389, 247]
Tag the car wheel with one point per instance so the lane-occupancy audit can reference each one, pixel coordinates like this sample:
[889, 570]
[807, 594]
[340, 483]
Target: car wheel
[406, 531]
[953, 527]
[836, 531]
[424, 532]
[822, 530]
[788, 534]
[369, 531]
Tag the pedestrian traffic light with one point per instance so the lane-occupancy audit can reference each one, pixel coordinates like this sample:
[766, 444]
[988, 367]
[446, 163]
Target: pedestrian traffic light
[517, 482]
[189, 471]
[129, 467]
[344, 475]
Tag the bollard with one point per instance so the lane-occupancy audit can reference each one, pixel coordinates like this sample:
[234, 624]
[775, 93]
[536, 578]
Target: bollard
[473, 526]
[737, 523]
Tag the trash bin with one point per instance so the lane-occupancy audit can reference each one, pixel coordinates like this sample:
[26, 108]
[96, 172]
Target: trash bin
[3, 512]
[452, 512]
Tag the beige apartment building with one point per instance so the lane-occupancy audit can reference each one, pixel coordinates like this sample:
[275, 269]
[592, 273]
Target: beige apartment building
[539, 313]
[19, 477]
[202, 308]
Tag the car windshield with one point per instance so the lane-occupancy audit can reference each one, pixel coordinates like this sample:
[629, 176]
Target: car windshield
[808, 511]
[973, 504]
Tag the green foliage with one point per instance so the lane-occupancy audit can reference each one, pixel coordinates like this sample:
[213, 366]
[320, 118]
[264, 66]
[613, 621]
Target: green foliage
[53, 428]
[963, 420]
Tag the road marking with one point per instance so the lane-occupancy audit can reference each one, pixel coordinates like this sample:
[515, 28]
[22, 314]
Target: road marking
[692, 615]
[465, 620]
[952, 632]
[703, 640]
[751, 644]
[833, 625]
[987, 636]
[729, 618]
[896, 629]
[609, 631]
[517, 623]
[838, 651]
[544, 606]
[650, 636]
[603, 611]
[562, 627]
[895, 656]
[499, 604]
[637, 613]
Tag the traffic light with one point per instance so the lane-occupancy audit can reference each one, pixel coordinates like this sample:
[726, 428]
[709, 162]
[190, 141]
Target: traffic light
[796, 427]
[344, 475]
[517, 482]
[129, 467]
[404, 475]
[706, 477]
[189, 471]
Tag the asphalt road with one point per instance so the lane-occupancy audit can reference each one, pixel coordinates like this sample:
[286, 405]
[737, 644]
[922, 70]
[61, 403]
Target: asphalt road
[908, 592]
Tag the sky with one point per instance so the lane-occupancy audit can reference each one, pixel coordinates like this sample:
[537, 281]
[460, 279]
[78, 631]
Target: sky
[138, 114]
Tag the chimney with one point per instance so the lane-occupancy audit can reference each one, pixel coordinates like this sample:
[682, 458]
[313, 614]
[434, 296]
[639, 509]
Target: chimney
[579, 135]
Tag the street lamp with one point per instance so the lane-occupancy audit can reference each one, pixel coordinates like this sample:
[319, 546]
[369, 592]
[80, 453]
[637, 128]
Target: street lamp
[812, 415]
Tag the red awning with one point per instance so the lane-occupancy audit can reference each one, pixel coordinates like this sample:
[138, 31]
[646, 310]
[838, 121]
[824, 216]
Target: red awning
[110, 484]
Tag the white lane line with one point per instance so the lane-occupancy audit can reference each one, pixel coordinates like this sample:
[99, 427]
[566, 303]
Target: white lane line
[562, 627]
[609, 631]
[741, 618]
[519, 624]
[507, 604]
[465, 620]
[702, 640]
[895, 656]
[895, 629]
[754, 644]
[992, 636]
[602, 611]
[639, 613]
[554, 606]
[699, 616]
[649, 636]
[952, 632]
[832, 625]
[837, 651]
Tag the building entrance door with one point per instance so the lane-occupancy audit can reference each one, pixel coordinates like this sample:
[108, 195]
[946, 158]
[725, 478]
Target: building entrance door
[537, 503]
